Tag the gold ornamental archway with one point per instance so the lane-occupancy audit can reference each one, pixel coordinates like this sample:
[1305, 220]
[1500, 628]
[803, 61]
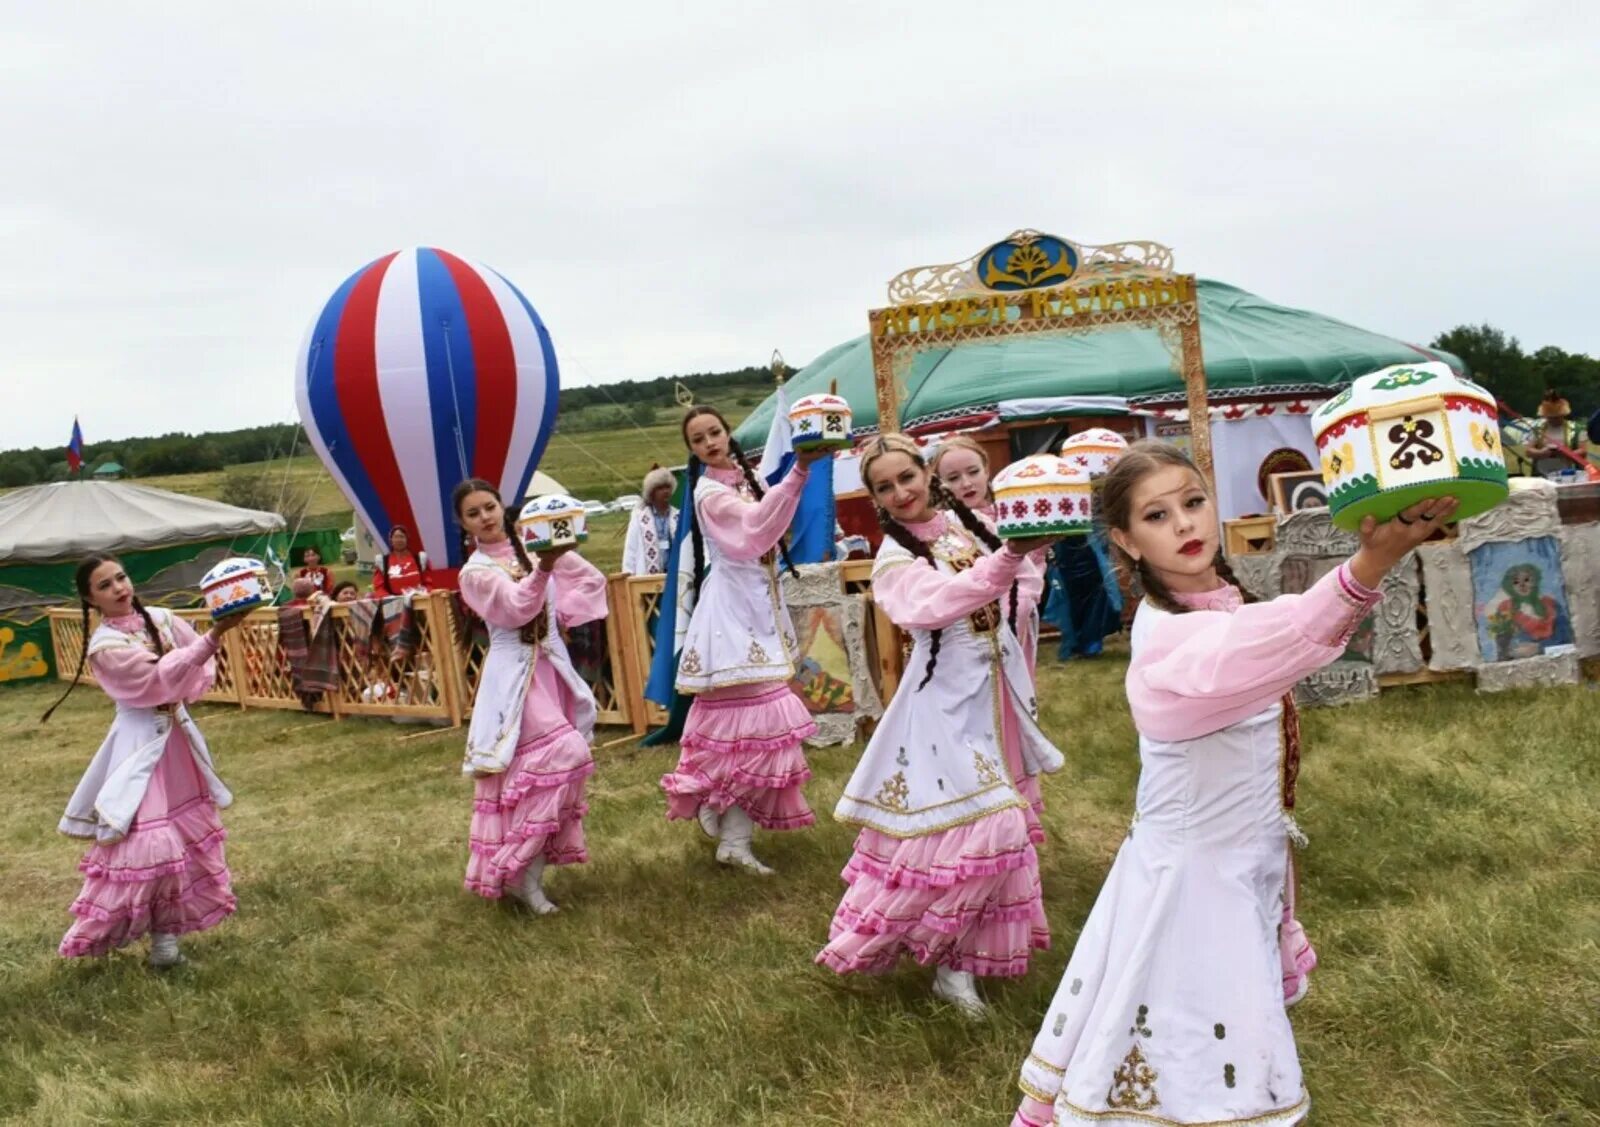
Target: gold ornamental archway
[1030, 284]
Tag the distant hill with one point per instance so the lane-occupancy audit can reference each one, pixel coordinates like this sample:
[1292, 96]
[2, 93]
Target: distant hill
[598, 407]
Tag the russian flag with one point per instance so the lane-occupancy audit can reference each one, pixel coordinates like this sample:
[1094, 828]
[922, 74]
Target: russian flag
[812, 531]
[75, 448]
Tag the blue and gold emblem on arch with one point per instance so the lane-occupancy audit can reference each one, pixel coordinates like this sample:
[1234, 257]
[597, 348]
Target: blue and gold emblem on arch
[1024, 264]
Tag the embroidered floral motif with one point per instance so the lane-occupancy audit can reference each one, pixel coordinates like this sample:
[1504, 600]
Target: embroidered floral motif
[894, 793]
[690, 663]
[988, 774]
[1227, 1075]
[1140, 1022]
[1220, 1030]
[757, 655]
[901, 759]
[1133, 1084]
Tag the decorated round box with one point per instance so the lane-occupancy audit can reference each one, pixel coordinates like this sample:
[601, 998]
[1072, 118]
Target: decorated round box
[820, 422]
[1044, 495]
[235, 585]
[552, 521]
[1094, 450]
[1405, 434]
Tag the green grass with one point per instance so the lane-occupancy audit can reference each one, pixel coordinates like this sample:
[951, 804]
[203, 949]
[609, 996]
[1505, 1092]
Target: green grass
[1450, 889]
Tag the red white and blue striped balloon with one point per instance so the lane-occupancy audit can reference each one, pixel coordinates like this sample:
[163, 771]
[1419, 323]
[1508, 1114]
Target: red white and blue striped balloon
[421, 370]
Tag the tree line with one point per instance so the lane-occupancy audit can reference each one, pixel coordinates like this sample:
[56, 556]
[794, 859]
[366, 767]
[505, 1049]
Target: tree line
[1494, 359]
[1520, 378]
[182, 453]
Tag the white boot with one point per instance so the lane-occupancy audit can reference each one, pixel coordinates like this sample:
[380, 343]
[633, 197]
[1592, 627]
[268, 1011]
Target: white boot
[958, 988]
[164, 951]
[734, 848]
[710, 820]
[531, 890]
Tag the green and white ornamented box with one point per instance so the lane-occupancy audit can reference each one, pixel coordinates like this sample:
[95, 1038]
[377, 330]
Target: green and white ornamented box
[552, 521]
[1405, 434]
[1042, 496]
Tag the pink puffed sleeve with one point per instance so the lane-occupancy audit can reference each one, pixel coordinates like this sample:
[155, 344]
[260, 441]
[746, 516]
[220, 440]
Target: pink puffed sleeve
[918, 597]
[1030, 576]
[1199, 672]
[501, 600]
[580, 591]
[748, 530]
[134, 676]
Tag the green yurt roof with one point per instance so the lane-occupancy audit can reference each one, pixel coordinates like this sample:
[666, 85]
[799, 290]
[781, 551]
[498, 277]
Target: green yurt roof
[1253, 349]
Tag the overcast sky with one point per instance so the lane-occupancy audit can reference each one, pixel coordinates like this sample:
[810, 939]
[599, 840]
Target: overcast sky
[685, 187]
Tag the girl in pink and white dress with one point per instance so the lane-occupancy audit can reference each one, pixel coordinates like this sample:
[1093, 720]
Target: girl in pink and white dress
[1171, 1008]
[150, 797]
[960, 469]
[944, 868]
[533, 716]
[741, 763]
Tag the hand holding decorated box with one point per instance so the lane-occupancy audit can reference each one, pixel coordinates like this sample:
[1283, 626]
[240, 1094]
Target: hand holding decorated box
[1405, 434]
[1042, 496]
[552, 521]
[820, 422]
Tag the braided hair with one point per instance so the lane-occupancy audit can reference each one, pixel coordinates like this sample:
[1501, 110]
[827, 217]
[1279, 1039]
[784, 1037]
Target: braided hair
[1116, 512]
[974, 524]
[900, 534]
[530, 632]
[81, 578]
[697, 470]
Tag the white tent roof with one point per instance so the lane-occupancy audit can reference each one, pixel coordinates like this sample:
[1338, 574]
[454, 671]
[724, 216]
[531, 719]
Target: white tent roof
[69, 519]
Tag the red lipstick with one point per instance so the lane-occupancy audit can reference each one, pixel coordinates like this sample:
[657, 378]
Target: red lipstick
[1191, 548]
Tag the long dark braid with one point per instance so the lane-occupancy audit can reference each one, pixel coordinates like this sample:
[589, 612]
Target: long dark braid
[696, 469]
[758, 492]
[974, 524]
[904, 537]
[80, 578]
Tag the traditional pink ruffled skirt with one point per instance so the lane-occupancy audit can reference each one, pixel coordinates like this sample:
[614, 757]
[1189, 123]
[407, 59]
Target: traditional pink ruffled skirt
[533, 809]
[965, 898]
[742, 747]
[168, 875]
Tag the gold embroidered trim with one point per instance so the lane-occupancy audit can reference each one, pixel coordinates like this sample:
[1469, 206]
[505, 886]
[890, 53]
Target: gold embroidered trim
[1030, 1090]
[936, 805]
[848, 820]
[1163, 1121]
[775, 677]
[1046, 1065]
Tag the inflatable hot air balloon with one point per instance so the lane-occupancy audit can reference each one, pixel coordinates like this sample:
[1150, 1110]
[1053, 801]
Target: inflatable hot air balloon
[421, 370]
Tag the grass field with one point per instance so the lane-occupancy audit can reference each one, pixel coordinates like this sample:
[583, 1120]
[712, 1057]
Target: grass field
[1452, 889]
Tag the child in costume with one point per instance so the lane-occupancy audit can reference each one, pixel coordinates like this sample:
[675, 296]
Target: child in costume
[960, 471]
[741, 763]
[150, 797]
[533, 716]
[1171, 1009]
[944, 867]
